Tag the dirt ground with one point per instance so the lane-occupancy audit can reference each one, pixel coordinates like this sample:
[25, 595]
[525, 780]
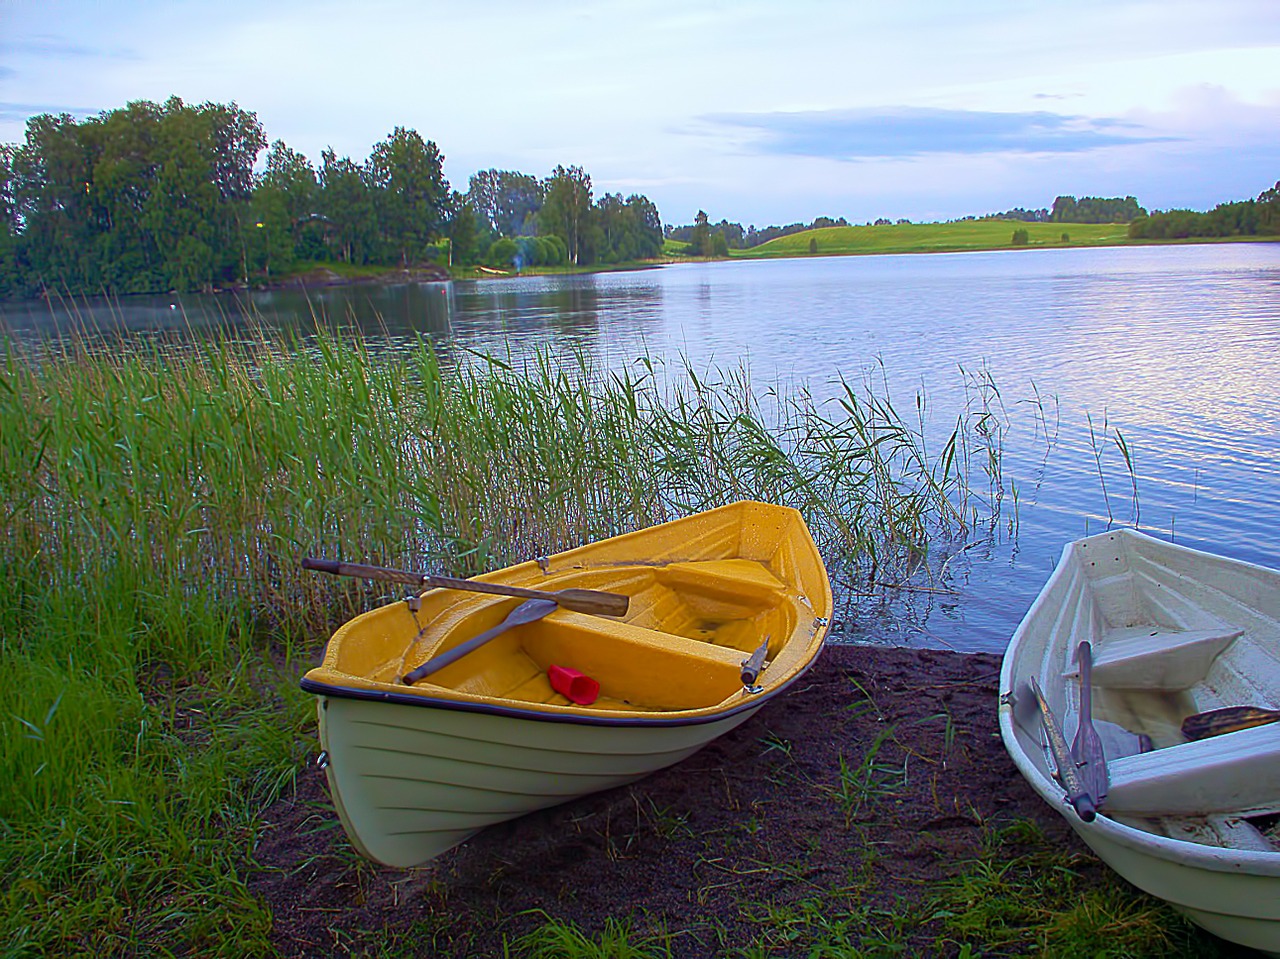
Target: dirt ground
[702, 848]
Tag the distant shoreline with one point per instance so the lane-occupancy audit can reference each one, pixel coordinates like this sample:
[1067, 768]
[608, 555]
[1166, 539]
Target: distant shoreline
[324, 275]
[482, 273]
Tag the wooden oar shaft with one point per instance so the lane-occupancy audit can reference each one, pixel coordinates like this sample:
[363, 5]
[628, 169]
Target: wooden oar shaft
[524, 613]
[591, 601]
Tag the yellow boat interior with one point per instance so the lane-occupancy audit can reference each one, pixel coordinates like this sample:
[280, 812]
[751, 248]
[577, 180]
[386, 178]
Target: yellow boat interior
[690, 625]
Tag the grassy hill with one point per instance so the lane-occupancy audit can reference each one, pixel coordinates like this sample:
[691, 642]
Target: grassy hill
[938, 238]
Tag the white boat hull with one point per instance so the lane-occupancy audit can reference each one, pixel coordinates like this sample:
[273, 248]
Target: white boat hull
[410, 782]
[1174, 632]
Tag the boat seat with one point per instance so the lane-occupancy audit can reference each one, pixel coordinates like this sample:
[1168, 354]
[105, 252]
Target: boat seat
[637, 665]
[1234, 771]
[729, 588]
[1168, 660]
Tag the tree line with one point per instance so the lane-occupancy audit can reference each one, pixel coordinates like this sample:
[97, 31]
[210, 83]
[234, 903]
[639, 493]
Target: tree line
[1258, 217]
[154, 197]
[706, 238]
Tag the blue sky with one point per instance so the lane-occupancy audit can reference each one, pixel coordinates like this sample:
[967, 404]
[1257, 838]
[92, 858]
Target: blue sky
[760, 112]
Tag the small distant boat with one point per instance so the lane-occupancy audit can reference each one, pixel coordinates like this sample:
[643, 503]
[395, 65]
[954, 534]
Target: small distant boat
[726, 609]
[1162, 665]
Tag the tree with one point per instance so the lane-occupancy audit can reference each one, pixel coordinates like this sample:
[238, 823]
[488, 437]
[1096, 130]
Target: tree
[50, 184]
[410, 191]
[1093, 209]
[700, 241]
[508, 202]
[502, 253]
[12, 280]
[627, 230]
[284, 203]
[347, 206]
[465, 233]
[566, 207]
[123, 148]
[646, 227]
[1269, 209]
[181, 211]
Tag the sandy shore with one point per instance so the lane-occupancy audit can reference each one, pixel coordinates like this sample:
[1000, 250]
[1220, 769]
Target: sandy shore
[762, 819]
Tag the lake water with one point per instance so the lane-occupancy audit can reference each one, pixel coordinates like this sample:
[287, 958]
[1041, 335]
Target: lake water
[1178, 348]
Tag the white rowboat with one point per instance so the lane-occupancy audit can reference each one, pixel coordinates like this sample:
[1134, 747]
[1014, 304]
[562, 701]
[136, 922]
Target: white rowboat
[1174, 633]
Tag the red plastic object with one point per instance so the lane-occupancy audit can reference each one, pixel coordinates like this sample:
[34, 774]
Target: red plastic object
[580, 689]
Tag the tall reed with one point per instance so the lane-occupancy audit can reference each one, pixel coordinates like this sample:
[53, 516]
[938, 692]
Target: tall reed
[154, 504]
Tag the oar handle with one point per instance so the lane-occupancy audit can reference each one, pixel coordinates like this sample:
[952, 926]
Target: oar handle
[361, 571]
[1084, 659]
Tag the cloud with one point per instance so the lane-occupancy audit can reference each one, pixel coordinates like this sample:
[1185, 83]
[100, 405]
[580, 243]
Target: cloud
[48, 47]
[901, 132]
[21, 112]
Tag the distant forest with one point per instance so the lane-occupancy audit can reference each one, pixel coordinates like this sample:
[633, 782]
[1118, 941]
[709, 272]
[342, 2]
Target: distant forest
[157, 197]
[1242, 218]
[1066, 209]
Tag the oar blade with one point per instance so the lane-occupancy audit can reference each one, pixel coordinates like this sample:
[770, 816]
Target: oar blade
[1086, 748]
[1228, 719]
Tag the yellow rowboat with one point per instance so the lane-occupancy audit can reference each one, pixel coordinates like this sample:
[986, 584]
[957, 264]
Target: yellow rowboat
[727, 609]
[1161, 666]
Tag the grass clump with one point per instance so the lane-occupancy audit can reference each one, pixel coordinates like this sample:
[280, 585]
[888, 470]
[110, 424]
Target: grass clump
[557, 939]
[1023, 895]
[839, 924]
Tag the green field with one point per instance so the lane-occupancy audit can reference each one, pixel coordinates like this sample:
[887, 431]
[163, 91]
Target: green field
[938, 238]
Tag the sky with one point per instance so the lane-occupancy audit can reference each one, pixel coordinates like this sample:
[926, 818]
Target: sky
[761, 113]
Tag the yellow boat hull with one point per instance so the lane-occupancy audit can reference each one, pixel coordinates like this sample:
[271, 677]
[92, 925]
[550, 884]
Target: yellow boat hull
[414, 770]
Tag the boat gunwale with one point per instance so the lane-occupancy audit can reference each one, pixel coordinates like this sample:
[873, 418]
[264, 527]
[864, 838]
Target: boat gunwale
[670, 718]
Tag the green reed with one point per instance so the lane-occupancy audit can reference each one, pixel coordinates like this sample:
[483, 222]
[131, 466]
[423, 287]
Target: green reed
[154, 504]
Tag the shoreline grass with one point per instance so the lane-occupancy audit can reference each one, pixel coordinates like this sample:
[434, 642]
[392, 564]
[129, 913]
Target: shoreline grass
[155, 502]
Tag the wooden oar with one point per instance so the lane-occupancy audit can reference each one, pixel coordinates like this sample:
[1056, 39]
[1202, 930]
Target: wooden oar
[591, 601]
[527, 612]
[1086, 748]
[1228, 719]
[1077, 795]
